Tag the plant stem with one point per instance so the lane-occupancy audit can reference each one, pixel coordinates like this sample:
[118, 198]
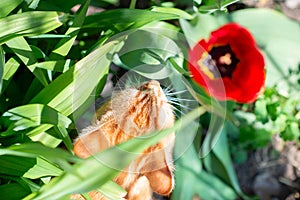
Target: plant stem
[132, 4]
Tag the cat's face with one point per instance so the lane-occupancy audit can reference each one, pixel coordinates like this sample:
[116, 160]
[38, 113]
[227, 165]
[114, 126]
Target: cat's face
[142, 109]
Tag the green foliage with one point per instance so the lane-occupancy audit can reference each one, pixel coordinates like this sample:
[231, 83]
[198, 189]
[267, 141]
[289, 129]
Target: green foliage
[53, 62]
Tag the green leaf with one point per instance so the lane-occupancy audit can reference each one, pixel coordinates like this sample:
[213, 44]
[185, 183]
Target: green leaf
[14, 191]
[112, 191]
[198, 28]
[33, 115]
[175, 11]
[63, 46]
[148, 57]
[2, 64]
[221, 151]
[34, 150]
[121, 19]
[192, 181]
[7, 6]
[292, 132]
[87, 175]
[14, 166]
[28, 24]
[10, 68]
[71, 89]
[261, 110]
[22, 49]
[42, 168]
[54, 66]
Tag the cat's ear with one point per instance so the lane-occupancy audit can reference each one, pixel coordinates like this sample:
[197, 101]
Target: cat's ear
[90, 143]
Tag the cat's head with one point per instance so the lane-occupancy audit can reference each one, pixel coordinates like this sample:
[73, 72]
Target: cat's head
[141, 109]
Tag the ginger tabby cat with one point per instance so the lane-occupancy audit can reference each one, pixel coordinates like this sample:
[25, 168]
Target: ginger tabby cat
[133, 112]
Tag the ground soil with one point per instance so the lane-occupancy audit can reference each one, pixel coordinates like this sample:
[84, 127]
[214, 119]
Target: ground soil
[273, 172]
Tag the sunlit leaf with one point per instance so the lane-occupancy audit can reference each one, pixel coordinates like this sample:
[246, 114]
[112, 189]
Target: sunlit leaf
[7, 6]
[28, 24]
[71, 89]
[63, 46]
[2, 64]
[176, 11]
[121, 19]
[33, 115]
[42, 168]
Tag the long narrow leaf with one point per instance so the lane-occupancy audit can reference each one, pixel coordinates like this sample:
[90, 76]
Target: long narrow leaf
[124, 18]
[7, 6]
[63, 47]
[28, 24]
[2, 64]
[33, 115]
[70, 90]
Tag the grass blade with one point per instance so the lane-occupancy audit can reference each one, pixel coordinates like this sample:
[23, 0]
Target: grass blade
[29, 24]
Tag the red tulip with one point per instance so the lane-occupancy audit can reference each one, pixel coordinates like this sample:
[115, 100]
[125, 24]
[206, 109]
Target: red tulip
[229, 65]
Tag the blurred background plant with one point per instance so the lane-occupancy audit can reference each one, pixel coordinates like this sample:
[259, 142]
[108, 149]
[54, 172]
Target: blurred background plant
[56, 56]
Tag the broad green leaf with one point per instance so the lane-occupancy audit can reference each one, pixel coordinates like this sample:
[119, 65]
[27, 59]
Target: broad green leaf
[2, 66]
[148, 57]
[7, 6]
[108, 162]
[214, 132]
[192, 181]
[33, 115]
[14, 165]
[121, 19]
[164, 29]
[42, 168]
[280, 47]
[28, 24]
[198, 28]
[219, 161]
[13, 191]
[39, 134]
[63, 46]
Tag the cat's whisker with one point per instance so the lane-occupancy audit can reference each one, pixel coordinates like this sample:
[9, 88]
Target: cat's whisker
[177, 110]
[180, 99]
[181, 105]
[176, 93]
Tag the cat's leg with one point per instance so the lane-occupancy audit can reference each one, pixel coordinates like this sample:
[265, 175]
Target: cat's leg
[140, 190]
[159, 166]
